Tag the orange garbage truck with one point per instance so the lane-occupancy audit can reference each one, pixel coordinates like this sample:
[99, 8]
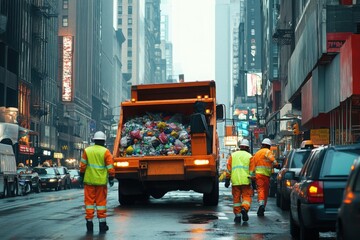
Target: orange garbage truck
[167, 141]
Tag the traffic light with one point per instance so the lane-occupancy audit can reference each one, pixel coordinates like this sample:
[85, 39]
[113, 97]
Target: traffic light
[296, 129]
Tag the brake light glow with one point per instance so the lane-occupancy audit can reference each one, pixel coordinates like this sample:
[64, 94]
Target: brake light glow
[121, 164]
[201, 162]
[315, 192]
[288, 183]
[349, 197]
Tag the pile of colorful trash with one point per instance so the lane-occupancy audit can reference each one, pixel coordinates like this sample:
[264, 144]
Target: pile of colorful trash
[155, 134]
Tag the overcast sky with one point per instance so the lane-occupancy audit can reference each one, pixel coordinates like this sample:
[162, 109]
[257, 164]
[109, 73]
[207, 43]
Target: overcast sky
[193, 36]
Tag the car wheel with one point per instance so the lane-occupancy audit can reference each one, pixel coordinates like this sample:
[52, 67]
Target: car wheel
[38, 188]
[294, 229]
[339, 230]
[284, 204]
[278, 198]
[308, 233]
[272, 190]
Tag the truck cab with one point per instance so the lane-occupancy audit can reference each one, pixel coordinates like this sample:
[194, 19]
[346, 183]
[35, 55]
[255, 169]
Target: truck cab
[8, 172]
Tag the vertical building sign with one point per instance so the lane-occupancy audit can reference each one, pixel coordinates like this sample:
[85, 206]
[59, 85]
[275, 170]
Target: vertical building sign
[67, 69]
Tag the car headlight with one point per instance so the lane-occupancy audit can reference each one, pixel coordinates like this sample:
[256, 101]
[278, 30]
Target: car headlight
[53, 180]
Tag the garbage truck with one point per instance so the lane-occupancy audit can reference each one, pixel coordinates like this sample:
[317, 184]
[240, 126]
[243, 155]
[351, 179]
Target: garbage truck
[167, 141]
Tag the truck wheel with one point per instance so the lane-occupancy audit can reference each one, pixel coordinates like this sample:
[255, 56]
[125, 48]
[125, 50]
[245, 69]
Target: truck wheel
[212, 198]
[125, 199]
[5, 193]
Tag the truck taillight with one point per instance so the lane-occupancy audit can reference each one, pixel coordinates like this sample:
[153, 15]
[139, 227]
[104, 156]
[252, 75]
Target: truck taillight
[201, 162]
[121, 164]
[315, 192]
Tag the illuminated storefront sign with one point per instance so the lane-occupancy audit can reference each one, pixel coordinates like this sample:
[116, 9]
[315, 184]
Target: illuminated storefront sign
[67, 69]
[23, 149]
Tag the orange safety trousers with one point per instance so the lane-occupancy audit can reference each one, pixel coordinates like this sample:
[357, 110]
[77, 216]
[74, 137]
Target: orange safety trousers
[262, 185]
[241, 197]
[95, 196]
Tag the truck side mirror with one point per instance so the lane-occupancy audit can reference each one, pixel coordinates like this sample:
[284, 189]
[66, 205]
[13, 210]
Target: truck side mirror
[220, 112]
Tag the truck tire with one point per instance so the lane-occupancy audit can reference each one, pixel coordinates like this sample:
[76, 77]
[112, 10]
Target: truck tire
[125, 200]
[212, 198]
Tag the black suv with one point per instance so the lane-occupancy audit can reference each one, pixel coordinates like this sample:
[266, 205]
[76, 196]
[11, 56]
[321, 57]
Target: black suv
[315, 199]
[294, 162]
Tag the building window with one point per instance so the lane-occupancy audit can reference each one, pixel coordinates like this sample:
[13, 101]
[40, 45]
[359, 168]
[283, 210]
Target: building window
[65, 22]
[120, 10]
[129, 10]
[130, 1]
[119, 21]
[65, 4]
[129, 43]
[129, 32]
[130, 21]
[129, 53]
[129, 64]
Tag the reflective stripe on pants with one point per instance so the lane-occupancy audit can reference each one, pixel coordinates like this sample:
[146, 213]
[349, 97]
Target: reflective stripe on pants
[241, 198]
[262, 185]
[95, 196]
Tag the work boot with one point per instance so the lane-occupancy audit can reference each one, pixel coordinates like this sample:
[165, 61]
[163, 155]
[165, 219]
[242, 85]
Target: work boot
[261, 211]
[237, 219]
[89, 226]
[103, 227]
[244, 214]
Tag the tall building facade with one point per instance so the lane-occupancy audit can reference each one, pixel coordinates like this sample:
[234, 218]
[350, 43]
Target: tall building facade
[28, 77]
[140, 23]
[318, 44]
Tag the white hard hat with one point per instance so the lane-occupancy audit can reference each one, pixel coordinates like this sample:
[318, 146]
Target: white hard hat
[245, 143]
[99, 136]
[266, 141]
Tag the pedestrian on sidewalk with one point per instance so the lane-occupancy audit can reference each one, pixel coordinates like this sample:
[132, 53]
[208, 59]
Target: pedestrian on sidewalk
[261, 168]
[96, 170]
[238, 172]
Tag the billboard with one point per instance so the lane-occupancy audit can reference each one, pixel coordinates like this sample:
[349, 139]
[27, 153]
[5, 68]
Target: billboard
[67, 60]
[253, 84]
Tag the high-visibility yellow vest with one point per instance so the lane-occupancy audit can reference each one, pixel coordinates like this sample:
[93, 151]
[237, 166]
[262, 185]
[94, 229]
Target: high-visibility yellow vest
[96, 170]
[240, 168]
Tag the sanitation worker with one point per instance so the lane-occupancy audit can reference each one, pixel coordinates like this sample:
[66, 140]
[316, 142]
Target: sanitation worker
[261, 167]
[238, 173]
[96, 170]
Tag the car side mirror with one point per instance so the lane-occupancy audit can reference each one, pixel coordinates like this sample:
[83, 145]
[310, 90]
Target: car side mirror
[289, 175]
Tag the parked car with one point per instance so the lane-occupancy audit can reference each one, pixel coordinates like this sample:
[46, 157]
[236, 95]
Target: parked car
[65, 177]
[315, 199]
[30, 177]
[348, 221]
[294, 162]
[49, 177]
[75, 175]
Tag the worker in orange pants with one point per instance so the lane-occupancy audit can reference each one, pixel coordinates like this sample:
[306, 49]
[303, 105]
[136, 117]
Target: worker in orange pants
[96, 171]
[261, 168]
[239, 174]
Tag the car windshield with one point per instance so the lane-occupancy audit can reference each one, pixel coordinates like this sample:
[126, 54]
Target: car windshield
[50, 171]
[299, 158]
[61, 170]
[338, 163]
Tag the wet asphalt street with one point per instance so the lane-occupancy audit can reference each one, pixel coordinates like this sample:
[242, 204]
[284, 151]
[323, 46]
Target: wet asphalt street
[178, 215]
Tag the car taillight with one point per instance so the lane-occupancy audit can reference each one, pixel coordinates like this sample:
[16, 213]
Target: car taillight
[315, 192]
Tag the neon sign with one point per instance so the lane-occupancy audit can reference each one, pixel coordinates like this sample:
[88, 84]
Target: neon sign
[67, 69]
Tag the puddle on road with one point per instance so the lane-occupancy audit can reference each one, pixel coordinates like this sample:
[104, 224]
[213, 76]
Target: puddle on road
[199, 218]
